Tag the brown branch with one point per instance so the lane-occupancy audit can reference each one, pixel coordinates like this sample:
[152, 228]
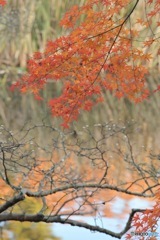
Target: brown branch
[118, 26]
[139, 170]
[11, 202]
[4, 166]
[84, 185]
[128, 224]
[58, 219]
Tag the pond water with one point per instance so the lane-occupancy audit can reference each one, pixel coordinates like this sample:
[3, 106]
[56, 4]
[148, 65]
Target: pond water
[67, 232]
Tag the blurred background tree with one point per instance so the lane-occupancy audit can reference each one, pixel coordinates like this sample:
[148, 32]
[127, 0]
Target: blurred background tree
[27, 230]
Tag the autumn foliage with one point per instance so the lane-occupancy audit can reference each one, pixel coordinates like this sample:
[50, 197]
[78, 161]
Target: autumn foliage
[99, 52]
[148, 221]
[2, 2]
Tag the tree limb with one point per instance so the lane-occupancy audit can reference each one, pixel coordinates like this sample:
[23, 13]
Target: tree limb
[84, 185]
[58, 219]
[12, 202]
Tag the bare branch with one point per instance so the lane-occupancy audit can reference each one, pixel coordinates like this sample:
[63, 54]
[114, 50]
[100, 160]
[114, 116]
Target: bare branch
[84, 186]
[59, 219]
[11, 202]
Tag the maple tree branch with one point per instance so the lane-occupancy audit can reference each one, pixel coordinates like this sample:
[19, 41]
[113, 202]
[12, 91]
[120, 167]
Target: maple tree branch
[11, 202]
[120, 25]
[83, 186]
[55, 219]
[129, 221]
[151, 187]
[4, 150]
[137, 166]
[5, 170]
[59, 219]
